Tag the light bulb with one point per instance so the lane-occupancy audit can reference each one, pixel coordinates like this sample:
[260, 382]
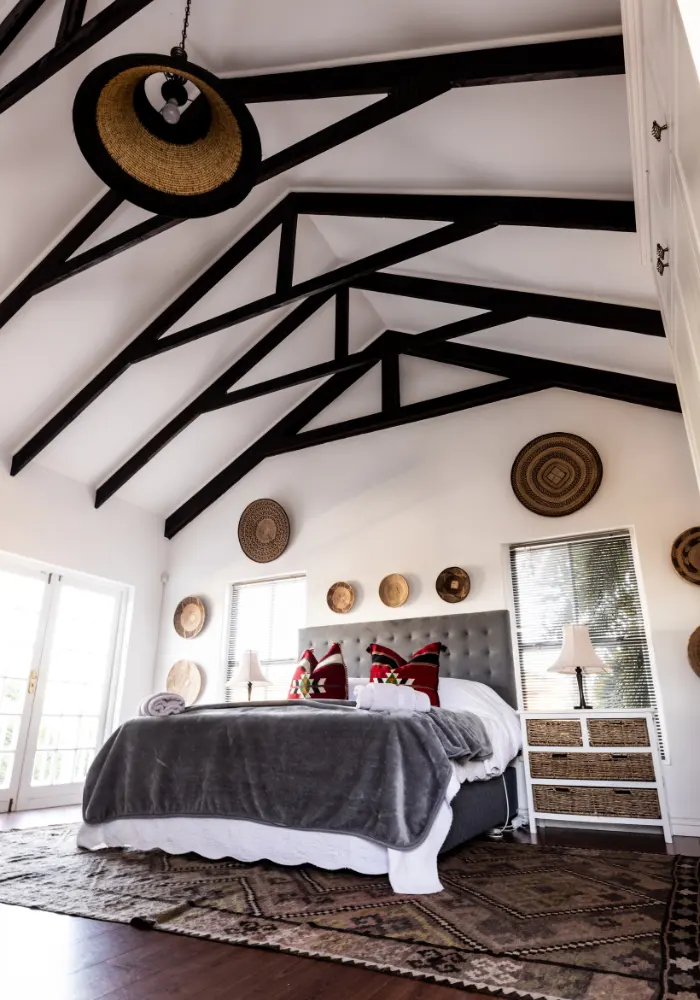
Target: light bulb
[171, 111]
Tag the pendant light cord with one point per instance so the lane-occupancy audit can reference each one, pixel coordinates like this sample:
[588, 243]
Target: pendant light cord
[185, 24]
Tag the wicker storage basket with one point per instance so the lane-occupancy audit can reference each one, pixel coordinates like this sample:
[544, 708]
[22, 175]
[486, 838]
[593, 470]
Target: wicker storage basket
[618, 732]
[554, 733]
[594, 766]
[635, 803]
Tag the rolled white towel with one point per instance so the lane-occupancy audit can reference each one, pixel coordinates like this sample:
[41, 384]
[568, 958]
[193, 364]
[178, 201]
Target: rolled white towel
[391, 698]
[163, 703]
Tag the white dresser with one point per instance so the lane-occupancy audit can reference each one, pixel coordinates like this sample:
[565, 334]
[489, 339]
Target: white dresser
[594, 767]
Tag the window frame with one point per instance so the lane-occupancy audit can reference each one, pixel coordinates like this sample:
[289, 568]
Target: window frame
[228, 601]
[563, 539]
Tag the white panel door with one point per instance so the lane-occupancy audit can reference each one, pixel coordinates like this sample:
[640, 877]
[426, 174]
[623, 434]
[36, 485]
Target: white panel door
[25, 600]
[73, 692]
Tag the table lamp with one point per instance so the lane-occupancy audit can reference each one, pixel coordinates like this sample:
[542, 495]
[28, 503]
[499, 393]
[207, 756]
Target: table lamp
[578, 657]
[248, 671]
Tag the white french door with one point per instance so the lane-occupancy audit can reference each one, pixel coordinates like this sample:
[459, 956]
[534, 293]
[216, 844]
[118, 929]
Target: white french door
[58, 646]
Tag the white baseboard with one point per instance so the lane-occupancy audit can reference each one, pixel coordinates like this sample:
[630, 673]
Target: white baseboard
[685, 827]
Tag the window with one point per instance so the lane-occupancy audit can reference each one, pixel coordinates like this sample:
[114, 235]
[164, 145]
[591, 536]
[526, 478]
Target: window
[582, 581]
[266, 616]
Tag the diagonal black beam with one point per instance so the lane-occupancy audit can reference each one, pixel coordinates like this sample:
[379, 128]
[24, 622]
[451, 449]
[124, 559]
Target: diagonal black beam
[502, 210]
[391, 387]
[18, 18]
[290, 424]
[328, 281]
[134, 351]
[55, 258]
[510, 64]
[580, 378]
[213, 396]
[287, 251]
[71, 20]
[425, 409]
[342, 322]
[105, 251]
[463, 327]
[97, 28]
[392, 106]
[608, 315]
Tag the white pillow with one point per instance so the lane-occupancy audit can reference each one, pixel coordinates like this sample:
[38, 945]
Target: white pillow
[353, 683]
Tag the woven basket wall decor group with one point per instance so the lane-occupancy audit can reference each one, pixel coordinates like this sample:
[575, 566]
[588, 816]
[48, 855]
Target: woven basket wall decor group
[556, 474]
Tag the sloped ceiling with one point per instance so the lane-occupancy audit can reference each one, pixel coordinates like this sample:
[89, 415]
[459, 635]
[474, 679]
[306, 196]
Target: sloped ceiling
[563, 137]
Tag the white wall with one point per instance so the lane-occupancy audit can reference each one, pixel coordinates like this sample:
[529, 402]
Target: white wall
[49, 518]
[418, 498]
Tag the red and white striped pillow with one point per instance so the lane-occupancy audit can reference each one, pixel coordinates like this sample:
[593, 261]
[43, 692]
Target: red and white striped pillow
[421, 672]
[327, 678]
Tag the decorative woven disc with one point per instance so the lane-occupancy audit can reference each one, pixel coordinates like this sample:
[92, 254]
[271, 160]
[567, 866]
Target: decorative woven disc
[185, 679]
[694, 651]
[556, 474]
[453, 584]
[340, 598]
[393, 590]
[685, 555]
[189, 617]
[263, 530]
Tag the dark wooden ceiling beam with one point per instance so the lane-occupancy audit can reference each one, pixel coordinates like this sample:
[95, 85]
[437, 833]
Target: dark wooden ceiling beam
[581, 57]
[17, 19]
[327, 281]
[135, 350]
[305, 411]
[342, 323]
[71, 19]
[580, 378]
[287, 252]
[210, 397]
[501, 210]
[97, 28]
[608, 315]
[390, 107]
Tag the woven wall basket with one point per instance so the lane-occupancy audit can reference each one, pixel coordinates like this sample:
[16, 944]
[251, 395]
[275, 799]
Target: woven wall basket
[556, 474]
[263, 530]
[685, 555]
[204, 164]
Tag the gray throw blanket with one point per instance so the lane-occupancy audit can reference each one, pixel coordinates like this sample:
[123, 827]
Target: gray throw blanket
[311, 765]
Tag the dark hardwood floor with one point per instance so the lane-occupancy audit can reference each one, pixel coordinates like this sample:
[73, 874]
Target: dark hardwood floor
[46, 955]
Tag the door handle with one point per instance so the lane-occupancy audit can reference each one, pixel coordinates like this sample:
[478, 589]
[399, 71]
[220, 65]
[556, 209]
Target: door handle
[31, 686]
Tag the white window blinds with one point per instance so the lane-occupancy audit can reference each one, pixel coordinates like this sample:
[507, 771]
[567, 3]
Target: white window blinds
[266, 616]
[582, 581]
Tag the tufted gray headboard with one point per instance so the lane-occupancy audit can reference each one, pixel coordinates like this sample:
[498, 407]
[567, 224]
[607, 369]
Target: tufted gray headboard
[479, 645]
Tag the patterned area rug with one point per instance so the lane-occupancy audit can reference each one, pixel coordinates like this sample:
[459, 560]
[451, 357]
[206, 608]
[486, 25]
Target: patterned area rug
[513, 921]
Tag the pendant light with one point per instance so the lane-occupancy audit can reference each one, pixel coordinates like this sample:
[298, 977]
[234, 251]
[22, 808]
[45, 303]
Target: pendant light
[163, 133]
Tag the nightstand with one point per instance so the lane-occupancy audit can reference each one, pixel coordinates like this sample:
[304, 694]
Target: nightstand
[594, 767]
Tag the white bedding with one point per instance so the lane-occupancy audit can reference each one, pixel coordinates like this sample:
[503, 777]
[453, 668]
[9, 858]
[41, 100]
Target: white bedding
[412, 872]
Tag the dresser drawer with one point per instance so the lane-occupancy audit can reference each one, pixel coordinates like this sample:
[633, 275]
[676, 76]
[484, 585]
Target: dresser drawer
[593, 766]
[618, 733]
[578, 800]
[554, 733]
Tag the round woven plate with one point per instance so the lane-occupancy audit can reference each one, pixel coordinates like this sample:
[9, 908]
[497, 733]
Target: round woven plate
[185, 679]
[263, 530]
[685, 555]
[453, 584]
[694, 651]
[556, 474]
[393, 590]
[340, 598]
[189, 617]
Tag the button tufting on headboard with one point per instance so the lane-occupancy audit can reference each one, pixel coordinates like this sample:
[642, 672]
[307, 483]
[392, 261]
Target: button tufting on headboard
[478, 645]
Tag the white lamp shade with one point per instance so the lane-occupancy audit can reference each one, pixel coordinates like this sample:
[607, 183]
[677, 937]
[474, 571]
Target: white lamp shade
[248, 670]
[577, 651]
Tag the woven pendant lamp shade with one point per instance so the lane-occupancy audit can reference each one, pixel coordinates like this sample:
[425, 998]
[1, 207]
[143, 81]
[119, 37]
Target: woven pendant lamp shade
[204, 164]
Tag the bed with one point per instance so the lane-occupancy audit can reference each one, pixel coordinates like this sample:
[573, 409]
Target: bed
[479, 795]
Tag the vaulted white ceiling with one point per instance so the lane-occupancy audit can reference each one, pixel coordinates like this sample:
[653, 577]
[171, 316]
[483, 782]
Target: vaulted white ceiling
[566, 137]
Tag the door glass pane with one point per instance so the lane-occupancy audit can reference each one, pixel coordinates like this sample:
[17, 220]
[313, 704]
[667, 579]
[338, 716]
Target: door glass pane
[21, 600]
[79, 663]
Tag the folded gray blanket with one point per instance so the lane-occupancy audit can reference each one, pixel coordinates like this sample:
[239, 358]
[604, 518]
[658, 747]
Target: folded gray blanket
[311, 765]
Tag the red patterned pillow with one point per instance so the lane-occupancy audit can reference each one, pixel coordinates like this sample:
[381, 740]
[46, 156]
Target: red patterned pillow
[325, 679]
[420, 672]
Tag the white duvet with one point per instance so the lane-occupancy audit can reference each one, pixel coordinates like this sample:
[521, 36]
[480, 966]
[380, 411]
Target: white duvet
[412, 872]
